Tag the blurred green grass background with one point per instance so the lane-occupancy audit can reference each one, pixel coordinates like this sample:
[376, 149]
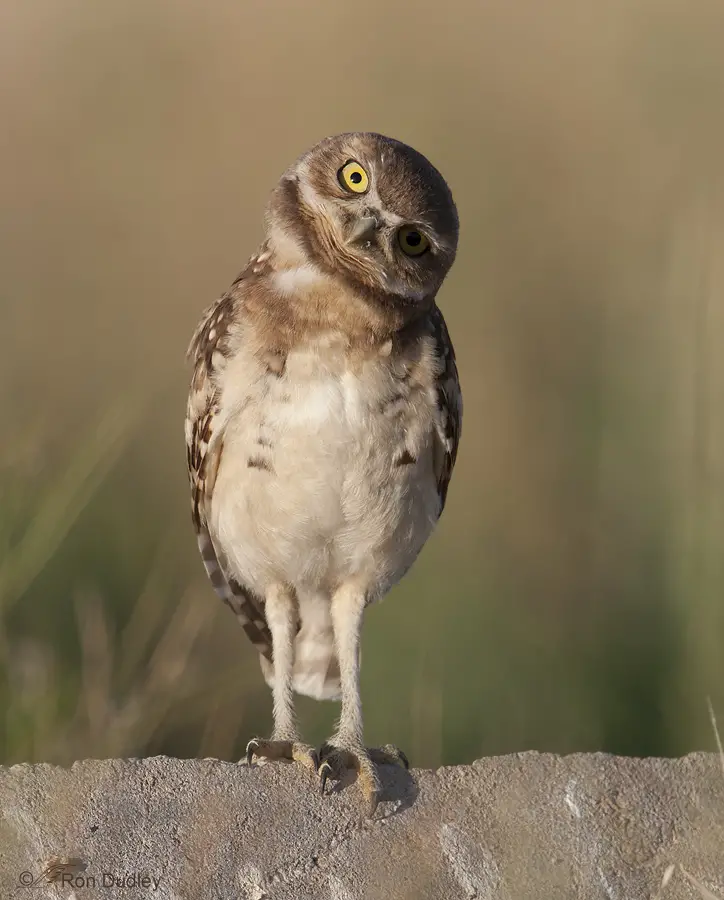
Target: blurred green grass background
[572, 597]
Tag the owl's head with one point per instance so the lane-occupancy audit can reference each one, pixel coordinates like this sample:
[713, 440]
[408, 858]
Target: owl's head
[371, 210]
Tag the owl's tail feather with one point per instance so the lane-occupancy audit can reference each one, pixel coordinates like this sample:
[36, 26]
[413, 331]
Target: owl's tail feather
[316, 669]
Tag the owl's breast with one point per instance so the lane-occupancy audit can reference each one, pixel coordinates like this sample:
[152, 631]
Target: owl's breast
[327, 471]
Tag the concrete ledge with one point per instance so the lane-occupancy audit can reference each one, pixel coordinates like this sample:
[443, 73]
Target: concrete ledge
[507, 828]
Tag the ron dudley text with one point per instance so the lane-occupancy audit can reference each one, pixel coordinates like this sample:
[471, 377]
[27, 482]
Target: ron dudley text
[112, 879]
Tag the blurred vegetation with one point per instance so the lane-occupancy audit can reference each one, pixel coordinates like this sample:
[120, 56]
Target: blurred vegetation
[572, 598]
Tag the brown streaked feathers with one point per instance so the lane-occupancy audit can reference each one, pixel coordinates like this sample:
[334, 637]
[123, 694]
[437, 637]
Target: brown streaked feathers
[205, 445]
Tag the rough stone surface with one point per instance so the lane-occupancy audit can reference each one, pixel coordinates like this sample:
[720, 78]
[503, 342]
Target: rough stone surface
[506, 828]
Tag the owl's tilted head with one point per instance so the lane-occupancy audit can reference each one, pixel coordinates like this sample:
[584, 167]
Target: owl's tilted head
[371, 210]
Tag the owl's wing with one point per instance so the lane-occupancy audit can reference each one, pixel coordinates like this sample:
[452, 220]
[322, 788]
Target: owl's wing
[205, 427]
[449, 411]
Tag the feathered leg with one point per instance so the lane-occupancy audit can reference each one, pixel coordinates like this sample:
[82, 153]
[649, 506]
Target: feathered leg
[281, 617]
[346, 750]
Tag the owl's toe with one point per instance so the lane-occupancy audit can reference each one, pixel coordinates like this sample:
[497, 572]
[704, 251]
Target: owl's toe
[268, 750]
[337, 762]
[388, 755]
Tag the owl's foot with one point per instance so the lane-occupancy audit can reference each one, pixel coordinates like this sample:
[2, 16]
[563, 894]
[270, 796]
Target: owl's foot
[294, 751]
[336, 761]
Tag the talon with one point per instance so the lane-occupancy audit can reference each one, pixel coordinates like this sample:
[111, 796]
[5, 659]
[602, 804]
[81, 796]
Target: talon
[250, 748]
[405, 760]
[324, 771]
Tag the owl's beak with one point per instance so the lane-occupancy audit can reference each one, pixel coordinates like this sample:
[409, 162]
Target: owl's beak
[363, 229]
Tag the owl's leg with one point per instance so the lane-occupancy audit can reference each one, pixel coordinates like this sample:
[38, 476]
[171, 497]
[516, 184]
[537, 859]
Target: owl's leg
[281, 616]
[346, 749]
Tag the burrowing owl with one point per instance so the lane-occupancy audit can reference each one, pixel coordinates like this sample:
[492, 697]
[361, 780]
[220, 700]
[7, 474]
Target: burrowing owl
[323, 423]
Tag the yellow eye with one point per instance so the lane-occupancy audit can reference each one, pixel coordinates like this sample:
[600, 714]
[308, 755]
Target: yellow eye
[412, 242]
[353, 177]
